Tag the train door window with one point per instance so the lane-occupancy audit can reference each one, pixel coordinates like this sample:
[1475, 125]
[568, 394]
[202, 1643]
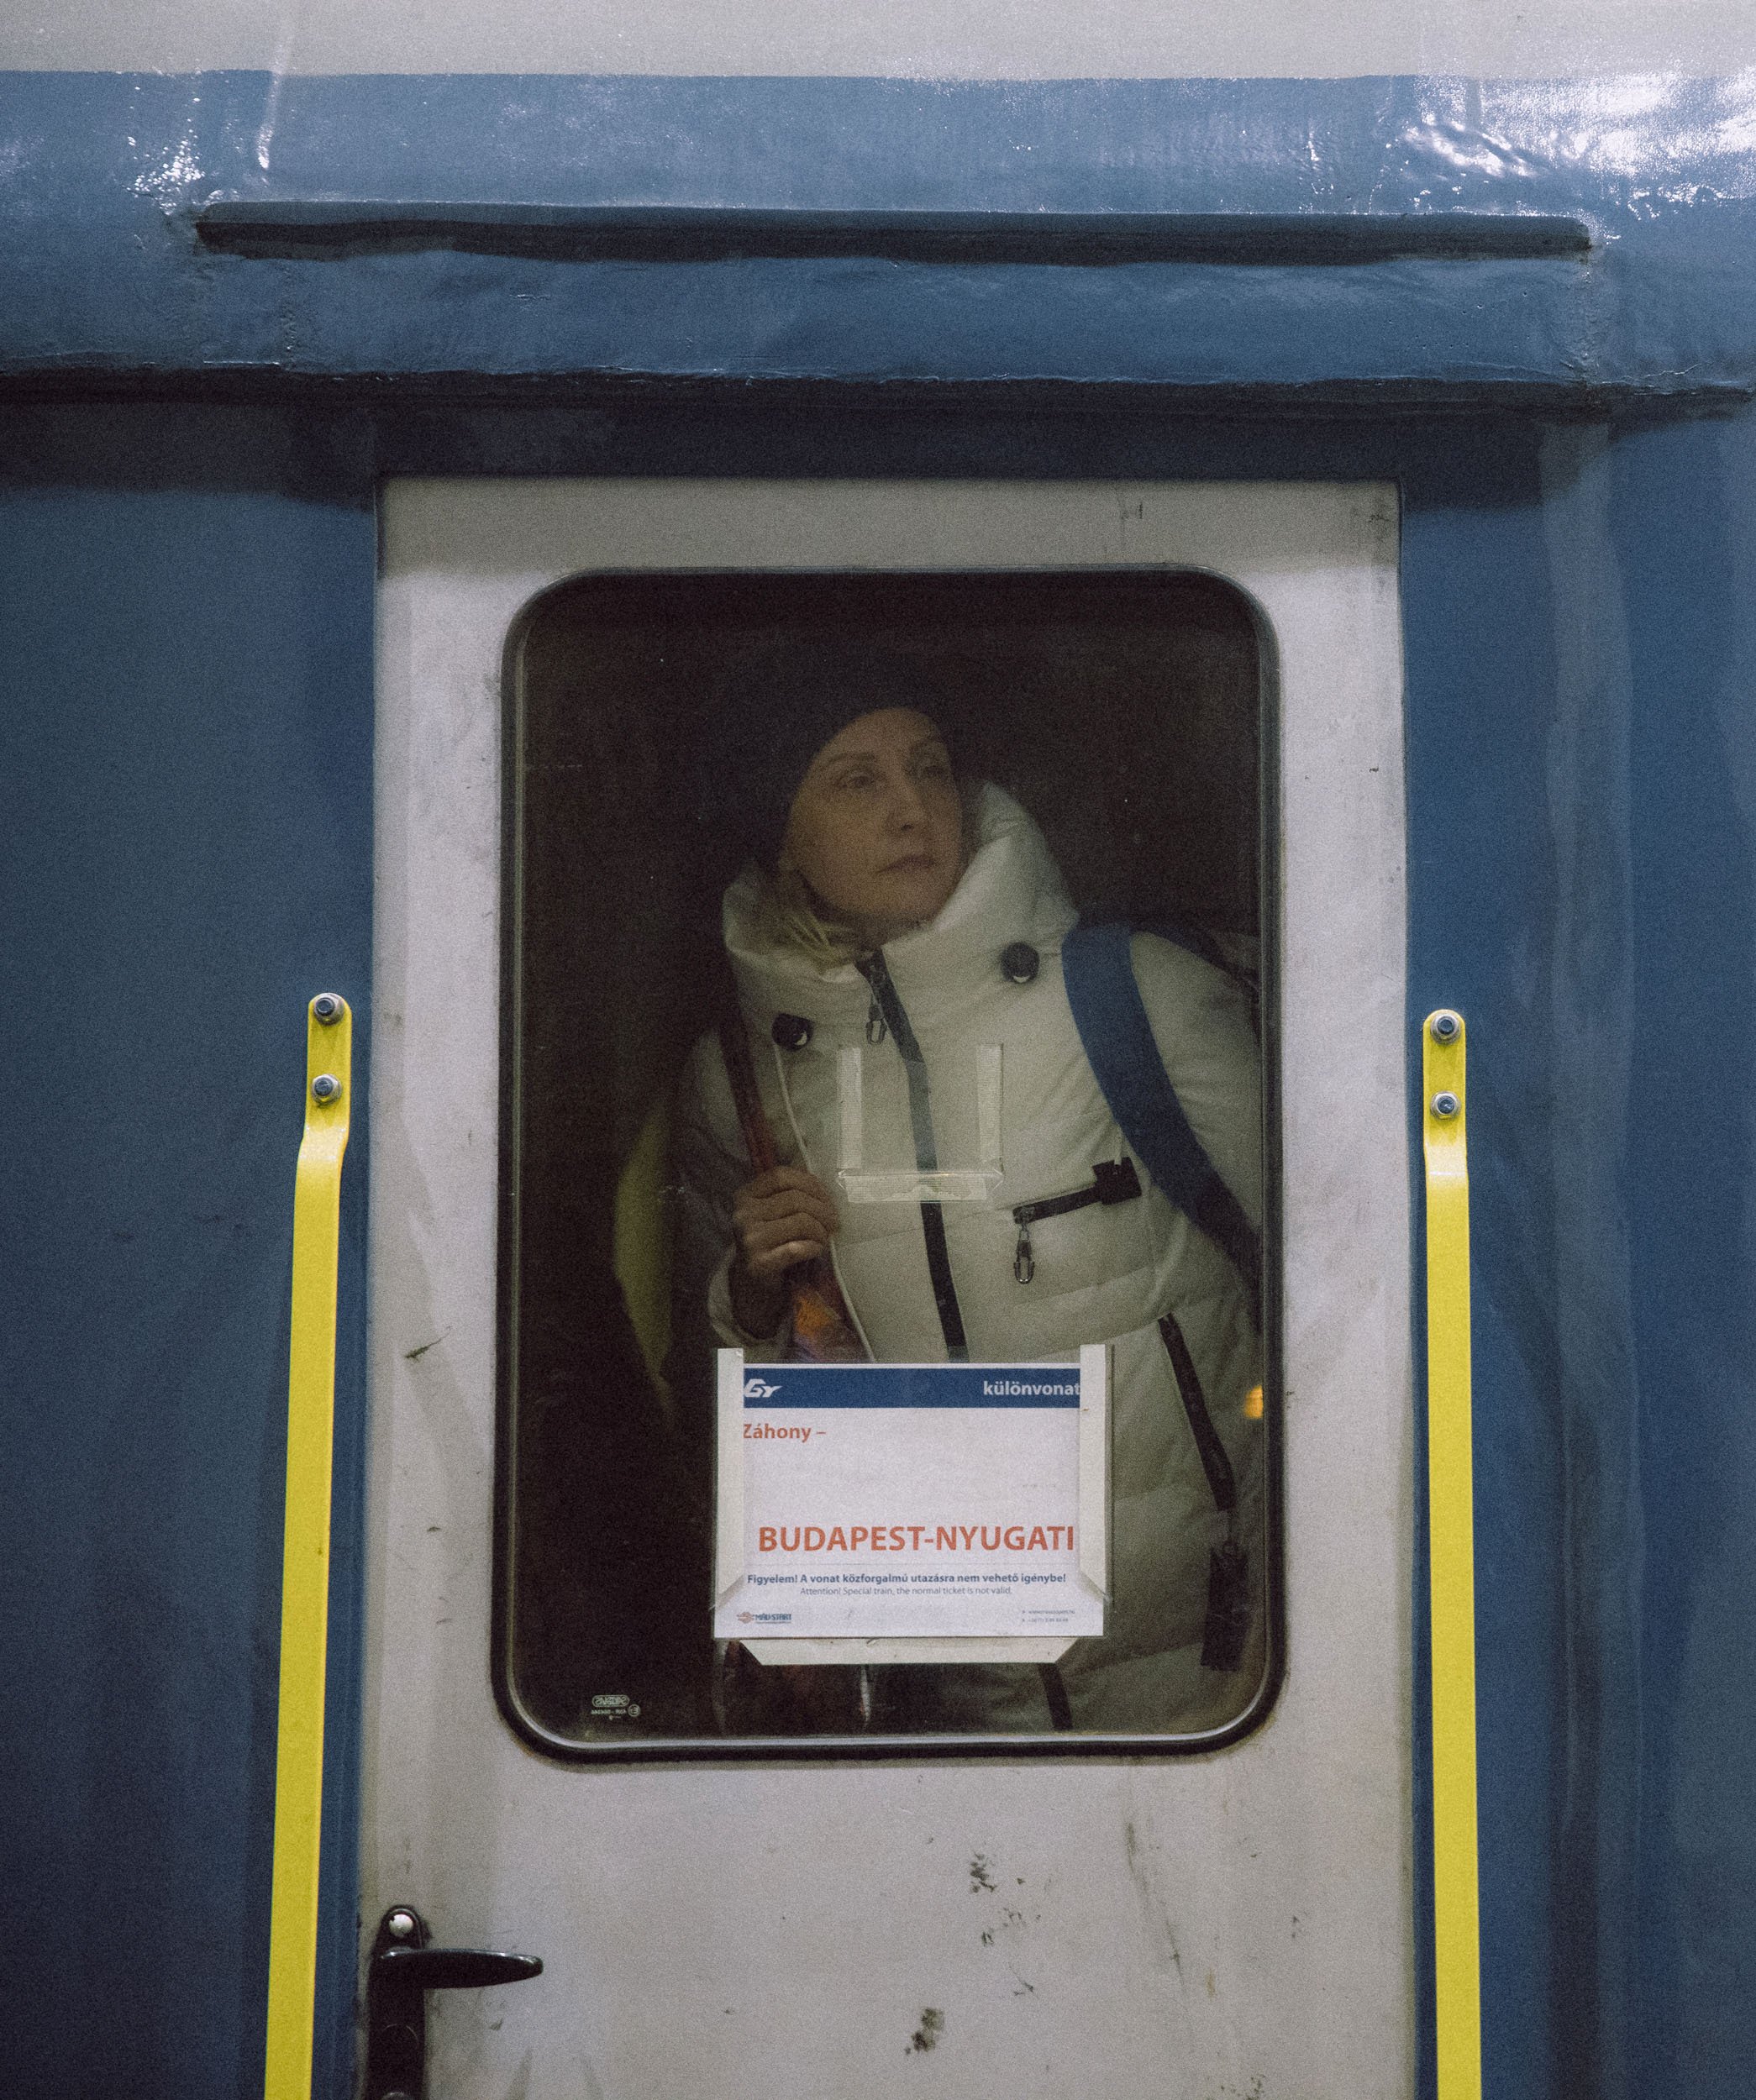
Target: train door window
[1068, 749]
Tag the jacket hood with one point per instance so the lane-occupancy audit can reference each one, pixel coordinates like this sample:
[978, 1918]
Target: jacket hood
[1012, 891]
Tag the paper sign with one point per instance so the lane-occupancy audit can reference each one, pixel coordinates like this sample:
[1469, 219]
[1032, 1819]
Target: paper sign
[931, 1502]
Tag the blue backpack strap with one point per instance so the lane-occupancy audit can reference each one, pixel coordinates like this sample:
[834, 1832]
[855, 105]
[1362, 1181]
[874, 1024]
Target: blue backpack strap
[1098, 967]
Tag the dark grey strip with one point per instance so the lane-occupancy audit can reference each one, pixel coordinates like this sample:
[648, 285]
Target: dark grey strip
[876, 973]
[944, 1291]
[321, 229]
[1222, 1480]
[874, 969]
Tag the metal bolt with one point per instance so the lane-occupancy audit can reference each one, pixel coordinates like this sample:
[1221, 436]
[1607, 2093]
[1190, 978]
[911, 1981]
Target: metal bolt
[400, 1923]
[1446, 1027]
[325, 1087]
[1444, 1104]
[327, 1007]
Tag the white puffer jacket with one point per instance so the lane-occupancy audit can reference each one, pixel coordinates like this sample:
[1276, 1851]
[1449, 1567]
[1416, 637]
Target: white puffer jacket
[1003, 1111]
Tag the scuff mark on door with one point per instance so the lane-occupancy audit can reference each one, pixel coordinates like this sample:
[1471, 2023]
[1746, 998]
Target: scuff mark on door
[927, 2036]
[1161, 1933]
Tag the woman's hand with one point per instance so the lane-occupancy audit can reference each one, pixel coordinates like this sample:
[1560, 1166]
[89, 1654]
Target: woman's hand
[780, 1219]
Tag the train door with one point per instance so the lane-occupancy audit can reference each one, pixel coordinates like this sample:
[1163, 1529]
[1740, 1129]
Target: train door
[729, 1904]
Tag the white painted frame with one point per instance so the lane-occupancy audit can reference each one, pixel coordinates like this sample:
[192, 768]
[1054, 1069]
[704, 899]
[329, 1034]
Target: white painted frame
[1193, 1924]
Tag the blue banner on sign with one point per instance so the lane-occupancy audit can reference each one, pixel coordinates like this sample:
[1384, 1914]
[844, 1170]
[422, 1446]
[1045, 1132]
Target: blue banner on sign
[912, 1385]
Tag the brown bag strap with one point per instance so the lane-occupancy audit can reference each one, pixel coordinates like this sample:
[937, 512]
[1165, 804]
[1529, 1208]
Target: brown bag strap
[735, 1047]
[822, 1332]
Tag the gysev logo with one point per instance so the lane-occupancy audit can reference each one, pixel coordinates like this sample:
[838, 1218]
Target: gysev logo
[757, 1389]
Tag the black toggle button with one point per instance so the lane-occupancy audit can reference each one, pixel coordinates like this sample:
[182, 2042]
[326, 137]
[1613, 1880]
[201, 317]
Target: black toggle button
[1020, 962]
[792, 1032]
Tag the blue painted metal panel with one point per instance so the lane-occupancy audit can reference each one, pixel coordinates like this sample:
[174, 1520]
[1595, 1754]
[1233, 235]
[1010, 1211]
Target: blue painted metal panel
[105, 172]
[1487, 622]
[1583, 777]
[1477, 643]
[187, 857]
[1685, 508]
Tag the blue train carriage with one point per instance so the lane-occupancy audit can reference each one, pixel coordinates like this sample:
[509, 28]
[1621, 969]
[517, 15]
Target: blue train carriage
[1314, 464]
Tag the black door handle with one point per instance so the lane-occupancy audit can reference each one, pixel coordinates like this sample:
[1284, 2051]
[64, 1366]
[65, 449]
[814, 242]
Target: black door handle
[402, 1969]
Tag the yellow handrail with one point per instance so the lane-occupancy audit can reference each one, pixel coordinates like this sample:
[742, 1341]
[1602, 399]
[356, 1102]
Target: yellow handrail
[305, 1559]
[1451, 1526]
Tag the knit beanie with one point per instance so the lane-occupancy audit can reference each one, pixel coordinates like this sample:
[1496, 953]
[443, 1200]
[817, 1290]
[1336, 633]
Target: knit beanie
[774, 711]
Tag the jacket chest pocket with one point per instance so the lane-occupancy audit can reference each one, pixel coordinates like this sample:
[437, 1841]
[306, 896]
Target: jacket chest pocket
[1093, 1235]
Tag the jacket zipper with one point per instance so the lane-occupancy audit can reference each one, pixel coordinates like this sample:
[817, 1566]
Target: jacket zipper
[1112, 1181]
[1222, 1480]
[1226, 1634]
[888, 1009]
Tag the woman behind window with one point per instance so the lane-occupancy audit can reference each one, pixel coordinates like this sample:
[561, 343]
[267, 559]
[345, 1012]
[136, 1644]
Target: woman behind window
[891, 909]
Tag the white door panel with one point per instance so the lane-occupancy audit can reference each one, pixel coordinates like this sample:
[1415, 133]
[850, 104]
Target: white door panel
[1234, 1923]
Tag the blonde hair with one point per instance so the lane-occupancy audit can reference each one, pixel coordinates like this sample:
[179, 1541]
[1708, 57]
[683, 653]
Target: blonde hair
[790, 915]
